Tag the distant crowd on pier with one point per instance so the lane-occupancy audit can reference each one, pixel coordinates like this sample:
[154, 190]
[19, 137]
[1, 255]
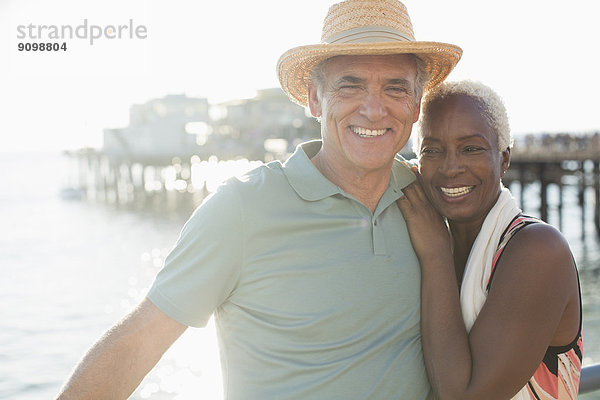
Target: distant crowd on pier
[558, 143]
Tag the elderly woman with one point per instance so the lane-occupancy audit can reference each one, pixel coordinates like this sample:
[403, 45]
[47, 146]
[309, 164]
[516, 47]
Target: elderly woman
[501, 306]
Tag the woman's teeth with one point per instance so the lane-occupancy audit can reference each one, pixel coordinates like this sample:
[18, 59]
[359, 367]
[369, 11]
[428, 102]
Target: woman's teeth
[455, 192]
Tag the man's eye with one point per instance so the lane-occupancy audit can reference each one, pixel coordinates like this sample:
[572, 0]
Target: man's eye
[349, 90]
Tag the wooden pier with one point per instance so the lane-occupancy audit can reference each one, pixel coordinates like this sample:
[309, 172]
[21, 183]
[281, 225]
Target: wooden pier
[177, 183]
[159, 183]
[561, 160]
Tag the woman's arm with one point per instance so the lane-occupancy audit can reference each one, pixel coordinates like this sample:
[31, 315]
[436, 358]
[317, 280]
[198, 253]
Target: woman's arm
[531, 305]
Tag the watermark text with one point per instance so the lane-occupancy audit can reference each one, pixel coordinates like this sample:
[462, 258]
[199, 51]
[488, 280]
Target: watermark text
[90, 32]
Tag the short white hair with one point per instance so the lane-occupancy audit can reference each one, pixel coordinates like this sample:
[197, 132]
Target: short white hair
[491, 104]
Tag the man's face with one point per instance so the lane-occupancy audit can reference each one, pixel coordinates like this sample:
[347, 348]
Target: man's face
[367, 106]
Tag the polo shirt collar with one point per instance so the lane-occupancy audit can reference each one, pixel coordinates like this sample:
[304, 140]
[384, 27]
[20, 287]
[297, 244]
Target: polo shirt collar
[311, 185]
[304, 177]
[402, 176]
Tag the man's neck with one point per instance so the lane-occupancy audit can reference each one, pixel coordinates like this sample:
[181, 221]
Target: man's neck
[366, 186]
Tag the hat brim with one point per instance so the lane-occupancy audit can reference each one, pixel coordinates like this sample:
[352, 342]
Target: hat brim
[294, 66]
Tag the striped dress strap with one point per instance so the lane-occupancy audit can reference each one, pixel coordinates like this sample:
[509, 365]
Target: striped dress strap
[517, 223]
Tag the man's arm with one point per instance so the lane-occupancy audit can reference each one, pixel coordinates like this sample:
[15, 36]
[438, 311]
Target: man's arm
[117, 363]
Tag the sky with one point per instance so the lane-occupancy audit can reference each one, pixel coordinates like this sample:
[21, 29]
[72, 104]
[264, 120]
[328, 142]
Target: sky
[540, 56]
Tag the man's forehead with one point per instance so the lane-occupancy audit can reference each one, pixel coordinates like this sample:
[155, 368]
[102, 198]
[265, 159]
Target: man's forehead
[397, 66]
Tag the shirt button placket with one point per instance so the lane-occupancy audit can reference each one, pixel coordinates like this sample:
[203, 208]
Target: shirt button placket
[379, 246]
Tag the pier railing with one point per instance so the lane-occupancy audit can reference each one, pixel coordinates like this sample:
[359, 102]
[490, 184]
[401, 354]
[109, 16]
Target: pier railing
[590, 379]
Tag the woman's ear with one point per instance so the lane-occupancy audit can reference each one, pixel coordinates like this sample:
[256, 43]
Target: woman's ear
[505, 155]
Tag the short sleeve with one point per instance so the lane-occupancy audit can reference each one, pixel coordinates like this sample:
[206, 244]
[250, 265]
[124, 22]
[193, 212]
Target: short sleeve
[202, 269]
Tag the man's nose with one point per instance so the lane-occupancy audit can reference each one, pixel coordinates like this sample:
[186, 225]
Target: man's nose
[373, 107]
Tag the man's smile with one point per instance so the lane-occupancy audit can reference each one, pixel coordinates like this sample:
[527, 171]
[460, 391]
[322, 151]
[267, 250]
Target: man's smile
[364, 132]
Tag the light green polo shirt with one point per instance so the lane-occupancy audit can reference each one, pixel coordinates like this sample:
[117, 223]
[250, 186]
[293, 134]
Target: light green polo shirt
[314, 296]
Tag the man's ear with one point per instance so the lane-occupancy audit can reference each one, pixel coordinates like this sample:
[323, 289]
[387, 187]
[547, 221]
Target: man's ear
[417, 111]
[314, 102]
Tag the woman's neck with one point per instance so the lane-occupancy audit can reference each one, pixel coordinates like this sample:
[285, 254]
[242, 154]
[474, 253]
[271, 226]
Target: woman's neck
[463, 236]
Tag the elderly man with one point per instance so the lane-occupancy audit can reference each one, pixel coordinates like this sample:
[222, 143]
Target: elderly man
[307, 266]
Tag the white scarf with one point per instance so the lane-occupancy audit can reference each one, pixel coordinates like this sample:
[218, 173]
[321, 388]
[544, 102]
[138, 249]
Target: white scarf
[473, 291]
[479, 264]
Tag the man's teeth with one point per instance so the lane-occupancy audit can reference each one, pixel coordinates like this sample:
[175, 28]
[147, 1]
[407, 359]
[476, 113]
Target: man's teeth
[455, 192]
[363, 132]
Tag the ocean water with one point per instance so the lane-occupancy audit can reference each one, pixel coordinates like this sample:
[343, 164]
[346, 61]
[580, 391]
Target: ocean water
[69, 269]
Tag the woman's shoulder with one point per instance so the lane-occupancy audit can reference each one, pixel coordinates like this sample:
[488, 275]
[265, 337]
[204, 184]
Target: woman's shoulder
[539, 238]
[537, 252]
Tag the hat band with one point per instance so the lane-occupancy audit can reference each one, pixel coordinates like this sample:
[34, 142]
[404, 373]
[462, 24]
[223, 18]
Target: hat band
[369, 34]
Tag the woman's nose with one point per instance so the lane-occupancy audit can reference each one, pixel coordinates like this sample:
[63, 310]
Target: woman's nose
[452, 164]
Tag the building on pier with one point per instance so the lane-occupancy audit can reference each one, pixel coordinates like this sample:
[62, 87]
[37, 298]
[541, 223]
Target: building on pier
[160, 128]
[266, 127]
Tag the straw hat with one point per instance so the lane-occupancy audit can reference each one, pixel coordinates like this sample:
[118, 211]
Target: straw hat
[361, 27]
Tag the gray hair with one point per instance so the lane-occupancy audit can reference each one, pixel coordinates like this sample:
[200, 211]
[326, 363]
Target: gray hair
[492, 108]
[317, 76]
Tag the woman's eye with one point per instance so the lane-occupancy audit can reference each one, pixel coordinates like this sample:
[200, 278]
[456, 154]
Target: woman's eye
[429, 151]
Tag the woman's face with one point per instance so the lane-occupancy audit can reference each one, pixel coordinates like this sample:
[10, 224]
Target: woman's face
[459, 160]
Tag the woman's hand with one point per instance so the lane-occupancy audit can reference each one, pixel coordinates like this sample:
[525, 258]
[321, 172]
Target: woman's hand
[427, 228]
